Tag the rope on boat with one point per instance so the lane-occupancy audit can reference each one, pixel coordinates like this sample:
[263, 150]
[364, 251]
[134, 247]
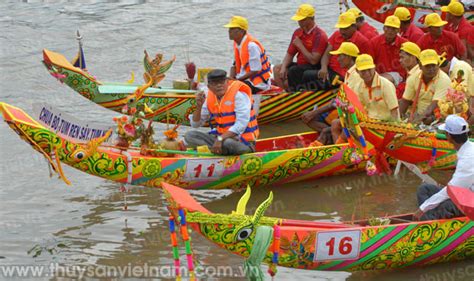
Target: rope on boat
[187, 244]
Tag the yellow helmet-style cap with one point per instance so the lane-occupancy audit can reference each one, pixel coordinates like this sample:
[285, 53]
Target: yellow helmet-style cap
[392, 21]
[429, 56]
[345, 20]
[454, 8]
[402, 13]
[238, 22]
[346, 48]
[304, 11]
[435, 20]
[364, 62]
[357, 13]
[411, 48]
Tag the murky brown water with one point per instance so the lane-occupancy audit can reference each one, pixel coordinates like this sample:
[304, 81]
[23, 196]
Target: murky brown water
[85, 224]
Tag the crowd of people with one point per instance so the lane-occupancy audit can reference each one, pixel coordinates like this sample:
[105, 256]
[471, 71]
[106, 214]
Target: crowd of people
[403, 72]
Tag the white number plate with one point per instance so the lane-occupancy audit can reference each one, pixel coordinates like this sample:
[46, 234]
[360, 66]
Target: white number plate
[337, 245]
[204, 169]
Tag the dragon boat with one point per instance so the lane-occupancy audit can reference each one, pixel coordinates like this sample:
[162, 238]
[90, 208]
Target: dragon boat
[375, 244]
[174, 106]
[380, 9]
[415, 144]
[276, 160]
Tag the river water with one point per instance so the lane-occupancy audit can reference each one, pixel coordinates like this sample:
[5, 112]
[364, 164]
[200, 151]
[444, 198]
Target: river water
[85, 224]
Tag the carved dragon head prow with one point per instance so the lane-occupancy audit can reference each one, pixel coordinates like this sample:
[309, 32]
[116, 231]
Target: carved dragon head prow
[245, 228]
[85, 151]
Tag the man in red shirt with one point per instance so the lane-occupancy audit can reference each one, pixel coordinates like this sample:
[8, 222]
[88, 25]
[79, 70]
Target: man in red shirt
[347, 32]
[362, 26]
[386, 51]
[408, 30]
[441, 40]
[308, 44]
[457, 23]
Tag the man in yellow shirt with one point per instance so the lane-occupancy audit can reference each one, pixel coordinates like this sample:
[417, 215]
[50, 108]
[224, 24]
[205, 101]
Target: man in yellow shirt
[409, 55]
[424, 90]
[321, 118]
[376, 93]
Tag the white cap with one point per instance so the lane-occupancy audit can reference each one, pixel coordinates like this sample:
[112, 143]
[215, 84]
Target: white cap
[455, 125]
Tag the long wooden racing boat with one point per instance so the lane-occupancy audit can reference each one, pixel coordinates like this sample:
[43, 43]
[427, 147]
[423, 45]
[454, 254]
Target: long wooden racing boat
[403, 141]
[175, 106]
[329, 246]
[276, 160]
[380, 9]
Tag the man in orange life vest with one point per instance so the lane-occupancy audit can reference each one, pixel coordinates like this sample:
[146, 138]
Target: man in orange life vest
[229, 103]
[251, 64]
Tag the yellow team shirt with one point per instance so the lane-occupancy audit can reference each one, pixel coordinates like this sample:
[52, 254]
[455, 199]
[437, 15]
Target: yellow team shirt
[414, 70]
[435, 90]
[378, 99]
[352, 77]
[458, 65]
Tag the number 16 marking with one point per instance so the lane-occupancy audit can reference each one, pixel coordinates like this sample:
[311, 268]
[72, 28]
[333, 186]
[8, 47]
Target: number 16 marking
[337, 245]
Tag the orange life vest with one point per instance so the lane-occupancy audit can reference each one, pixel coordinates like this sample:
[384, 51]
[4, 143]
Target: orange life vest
[223, 111]
[242, 60]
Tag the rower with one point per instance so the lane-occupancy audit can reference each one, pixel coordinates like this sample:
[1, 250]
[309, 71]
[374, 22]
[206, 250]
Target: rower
[386, 51]
[409, 60]
[425, 89]
[330, 66]
[408, 29]
[376, 94]
[308, 44]
[251, 64]
[362, 26]
[441, 40]
[434, 203]
[320, 119]
[457, 23]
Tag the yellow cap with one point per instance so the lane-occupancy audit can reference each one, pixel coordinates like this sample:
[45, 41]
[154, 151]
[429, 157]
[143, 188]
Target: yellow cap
[364, 62]
[346, 48]
[392, 21]
[304, 11]
[429, 56]
[454, 8]
[411, 48]
[357, 13]
[238, 22]
[402, 13]
[345, 20]
[434, 20]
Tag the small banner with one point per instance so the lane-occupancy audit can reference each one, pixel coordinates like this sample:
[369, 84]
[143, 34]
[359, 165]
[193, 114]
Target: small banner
[67, 126]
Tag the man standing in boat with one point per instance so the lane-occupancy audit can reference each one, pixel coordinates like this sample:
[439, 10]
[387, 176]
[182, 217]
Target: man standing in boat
[230, 104]
[408, 30]
[251, 64]
[425, 89]
[435, 202]
[307, 44]
[409, 60]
